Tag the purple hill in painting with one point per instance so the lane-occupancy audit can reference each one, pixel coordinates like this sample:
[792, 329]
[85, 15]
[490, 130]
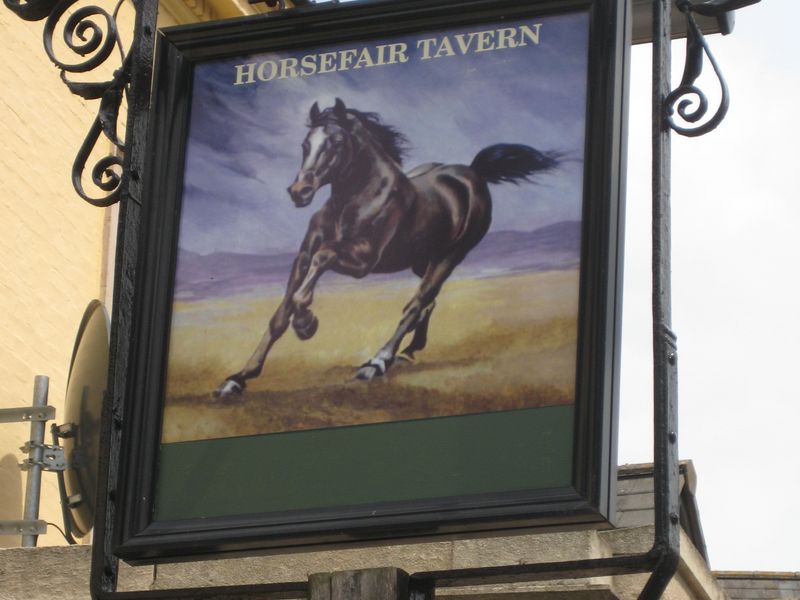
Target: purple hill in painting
[549, 248]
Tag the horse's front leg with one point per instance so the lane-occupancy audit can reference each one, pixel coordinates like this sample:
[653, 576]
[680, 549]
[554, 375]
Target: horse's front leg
[416, 315]
[304, 322]
[234, 384]
[320, 262]
[355, 258]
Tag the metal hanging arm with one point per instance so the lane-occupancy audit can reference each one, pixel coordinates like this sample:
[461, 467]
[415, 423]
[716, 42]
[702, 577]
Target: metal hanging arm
[666, 545]
[665, 356]
[688, 100]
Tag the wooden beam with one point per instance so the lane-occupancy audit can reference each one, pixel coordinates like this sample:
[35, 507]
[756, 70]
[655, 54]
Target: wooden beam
[368, 584]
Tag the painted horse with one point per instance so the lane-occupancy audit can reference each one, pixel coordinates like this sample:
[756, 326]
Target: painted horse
[379, 219]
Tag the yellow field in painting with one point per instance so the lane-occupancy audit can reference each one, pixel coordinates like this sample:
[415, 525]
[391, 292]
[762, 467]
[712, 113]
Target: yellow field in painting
[499, 343]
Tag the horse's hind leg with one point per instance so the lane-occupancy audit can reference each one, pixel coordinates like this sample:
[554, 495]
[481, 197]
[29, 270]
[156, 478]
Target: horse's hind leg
[420, 339]
[415, 314]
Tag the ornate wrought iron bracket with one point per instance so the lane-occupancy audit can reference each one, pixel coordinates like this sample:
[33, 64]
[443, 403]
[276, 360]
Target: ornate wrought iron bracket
[688, 100]
[91, 33]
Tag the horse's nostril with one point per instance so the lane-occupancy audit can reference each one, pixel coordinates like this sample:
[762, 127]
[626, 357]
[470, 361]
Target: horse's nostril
[301, 193]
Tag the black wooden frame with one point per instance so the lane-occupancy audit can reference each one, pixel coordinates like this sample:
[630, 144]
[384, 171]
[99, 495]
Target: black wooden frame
[131, 533]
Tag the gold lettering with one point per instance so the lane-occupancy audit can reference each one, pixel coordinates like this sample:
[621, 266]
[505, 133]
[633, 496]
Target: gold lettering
[364, 60]
[426, 47]
[445, 48]
[387, 54]
[288, 68]
[485, 41]
[462, 44]
[397, 53]
[381, 52]
[532, 34]
[346, 58]
[327, 62]
[273, 70]
[309, 65]
[505, 38]
[245, 74]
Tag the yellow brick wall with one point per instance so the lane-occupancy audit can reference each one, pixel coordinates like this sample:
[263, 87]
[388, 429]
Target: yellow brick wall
[51, 248]
[59, 252]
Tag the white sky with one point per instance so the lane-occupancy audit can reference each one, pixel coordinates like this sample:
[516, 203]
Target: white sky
[736, 250]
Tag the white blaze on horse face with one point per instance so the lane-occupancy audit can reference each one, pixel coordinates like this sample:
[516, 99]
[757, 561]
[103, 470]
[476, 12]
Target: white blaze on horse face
[315, 141]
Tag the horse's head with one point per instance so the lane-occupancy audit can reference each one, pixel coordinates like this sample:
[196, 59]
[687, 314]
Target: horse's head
[326, 149]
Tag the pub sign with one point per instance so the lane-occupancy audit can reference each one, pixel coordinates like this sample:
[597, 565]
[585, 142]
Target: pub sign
[378, 287]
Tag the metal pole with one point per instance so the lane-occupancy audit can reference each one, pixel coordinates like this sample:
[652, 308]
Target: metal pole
[665, 397]
[33, 483]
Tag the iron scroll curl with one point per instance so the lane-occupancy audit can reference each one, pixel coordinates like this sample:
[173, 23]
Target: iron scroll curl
[83, 35]
[688, 100]
[106, 172]
[90, 33]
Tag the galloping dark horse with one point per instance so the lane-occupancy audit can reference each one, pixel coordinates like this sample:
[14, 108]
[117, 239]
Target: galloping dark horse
[381, 220]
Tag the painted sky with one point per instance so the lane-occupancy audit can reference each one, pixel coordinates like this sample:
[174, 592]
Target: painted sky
[244, 141]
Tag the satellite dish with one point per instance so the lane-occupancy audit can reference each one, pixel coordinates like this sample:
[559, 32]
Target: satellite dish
[80, 434]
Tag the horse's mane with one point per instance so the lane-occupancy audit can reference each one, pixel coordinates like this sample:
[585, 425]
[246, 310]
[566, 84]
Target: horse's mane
[394, 143]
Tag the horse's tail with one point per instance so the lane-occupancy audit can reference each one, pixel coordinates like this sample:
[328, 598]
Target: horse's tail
[512, 163]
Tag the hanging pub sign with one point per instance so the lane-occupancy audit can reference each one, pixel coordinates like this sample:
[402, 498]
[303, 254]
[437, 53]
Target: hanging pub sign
[378, 286]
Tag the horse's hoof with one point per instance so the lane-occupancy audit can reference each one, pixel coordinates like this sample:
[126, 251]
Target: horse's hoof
[229, 389]
[306, 326]
[367, 373]
[407, 356]
[373, 368]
